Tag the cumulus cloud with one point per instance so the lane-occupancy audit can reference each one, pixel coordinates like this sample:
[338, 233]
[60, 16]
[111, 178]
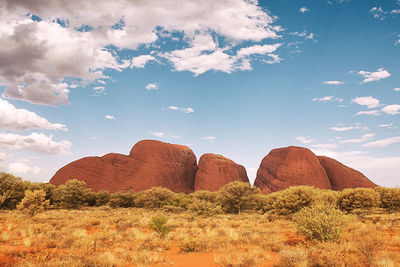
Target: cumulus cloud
[303, 10]
[367, 101]
[364, 138]
[380, 74]
[36, 142]
[397, 89]
[392, 109]
[22, 168]
[109, 117]
[12, 118]
[333, 82]
[82, 40]
[368, 112]
[384, 142]
[182, 109]
[209, 138]
[152, 86]
[304, 140]
[328, 99]
[158, 134]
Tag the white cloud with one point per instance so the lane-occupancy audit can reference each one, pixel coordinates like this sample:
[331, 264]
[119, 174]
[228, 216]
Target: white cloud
[324, 146]
[185, 110]
[209, 138]
[304, 140]
[368, 112]
[392, 109]
[257, 50]
[333, 82]
[15, 119]
[386, 125]
[304, 34]
[341, 128]
[367, 101]
[395, 11]
[328, 99]
[303, 10]
[141, 61]
[99, 90]
[36, 142]
[152, 86]
[380, 74]
[158, 134]
[22, 168]
[364, 138]
[378, 13]
[109, 117]
[383, 142]
[39, 58]
[397, 89]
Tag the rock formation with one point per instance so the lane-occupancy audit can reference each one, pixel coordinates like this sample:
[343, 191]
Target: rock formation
[290, 166]
[343, 177]
[150, 163]
[214, 171]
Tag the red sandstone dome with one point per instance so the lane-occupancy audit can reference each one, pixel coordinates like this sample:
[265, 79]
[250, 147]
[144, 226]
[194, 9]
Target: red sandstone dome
[214, 171]
[290, 166]
[150, 163]
[343, 177]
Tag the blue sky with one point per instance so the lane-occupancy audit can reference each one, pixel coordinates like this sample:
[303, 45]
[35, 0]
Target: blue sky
[232, 77]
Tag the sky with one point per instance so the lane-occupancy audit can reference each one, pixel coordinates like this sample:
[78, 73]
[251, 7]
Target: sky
[232, 77]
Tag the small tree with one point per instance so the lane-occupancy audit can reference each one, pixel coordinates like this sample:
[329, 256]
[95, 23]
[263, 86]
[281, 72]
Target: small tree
[122, 200]
[155, 197]
[294, 198]
[236, 196]
[102, 198]
[11, 191]
[389, 198]
[33, 202]
[73, 194]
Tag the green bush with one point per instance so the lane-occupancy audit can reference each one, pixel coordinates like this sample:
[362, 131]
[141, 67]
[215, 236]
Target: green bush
[122, 200]
[320, 222]
[181, 200]
[358, 198]
[12, 191]
[265, 202]
[293, 199]
[34, 202]
[237, 196]
[156, 197]
[72, 195]
[158, 224]
[102, 198]
[389, 198]
[204, 195]
[202, 207]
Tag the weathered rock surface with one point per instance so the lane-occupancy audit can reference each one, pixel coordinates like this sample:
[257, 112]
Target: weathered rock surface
[150, 163]
[290, 166]
[214, 171]
[343, 177]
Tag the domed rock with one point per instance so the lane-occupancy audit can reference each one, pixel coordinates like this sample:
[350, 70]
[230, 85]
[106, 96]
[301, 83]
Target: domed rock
[343, 177]
[214, 171]
[150, 163]
[290, 166]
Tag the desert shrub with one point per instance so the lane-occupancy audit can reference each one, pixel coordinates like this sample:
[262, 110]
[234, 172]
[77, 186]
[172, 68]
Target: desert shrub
[102, 198]
[265, 202]
[358, 198]
[12, 191]
[72, 195]
[156, 197]
[158, 224]
[320, 222]
[203, 207]
[181, 200]
[204, 195]
[293, 258]
[33, 202]
[236, 196]
[326, 197]
[293, 199]
[389, 198]
[234, 258]
[122, 199]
